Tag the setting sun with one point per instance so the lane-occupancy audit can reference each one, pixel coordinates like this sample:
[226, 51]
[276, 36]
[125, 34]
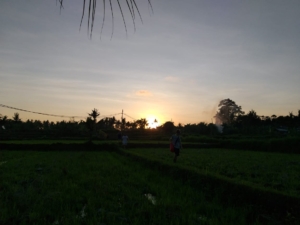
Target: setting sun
[152, 122]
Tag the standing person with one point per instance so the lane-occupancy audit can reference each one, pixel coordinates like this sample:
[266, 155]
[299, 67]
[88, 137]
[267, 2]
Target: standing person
[124, 140]
[120, 136]
[175, 139]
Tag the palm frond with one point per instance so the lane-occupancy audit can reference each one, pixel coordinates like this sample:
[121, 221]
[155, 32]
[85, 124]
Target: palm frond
[91, 11]
[122, 16]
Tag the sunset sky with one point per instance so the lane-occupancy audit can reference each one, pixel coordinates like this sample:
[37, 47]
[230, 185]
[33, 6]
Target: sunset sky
[180, 62]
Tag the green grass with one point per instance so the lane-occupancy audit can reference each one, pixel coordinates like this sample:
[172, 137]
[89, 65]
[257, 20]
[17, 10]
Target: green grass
[46, 141]
[78, 141]
[103, 188]
[274, 171]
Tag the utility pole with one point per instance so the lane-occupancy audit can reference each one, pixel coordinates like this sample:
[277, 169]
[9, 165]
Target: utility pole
[122, 121]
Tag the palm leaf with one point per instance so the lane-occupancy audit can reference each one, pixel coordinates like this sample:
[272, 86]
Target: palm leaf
[91, 11]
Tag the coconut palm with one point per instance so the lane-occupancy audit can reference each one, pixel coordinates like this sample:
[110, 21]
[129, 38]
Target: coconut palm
[16, 117]
[94, 114]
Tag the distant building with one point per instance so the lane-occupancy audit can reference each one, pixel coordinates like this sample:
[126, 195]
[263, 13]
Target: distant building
[282, 130]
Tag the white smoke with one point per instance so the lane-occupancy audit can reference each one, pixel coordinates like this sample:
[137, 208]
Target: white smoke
[220, 128]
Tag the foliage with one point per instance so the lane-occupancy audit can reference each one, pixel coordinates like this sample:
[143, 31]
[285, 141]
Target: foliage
[228, 112]
[94, 114]
[89, 6]
[240, 124]
[201, 129]
[168, 127]
[16, 117]
[142, 123]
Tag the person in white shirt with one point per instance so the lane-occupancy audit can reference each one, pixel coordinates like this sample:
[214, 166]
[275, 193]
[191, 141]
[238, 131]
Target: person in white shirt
[124, 140]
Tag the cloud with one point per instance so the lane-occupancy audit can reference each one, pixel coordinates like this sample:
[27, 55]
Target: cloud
[172, 79]
[143, 93]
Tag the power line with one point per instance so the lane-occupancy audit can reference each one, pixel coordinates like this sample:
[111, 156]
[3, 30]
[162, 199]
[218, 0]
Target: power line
[110, 115]
[129, 116]
[45, 114]
[54, 115]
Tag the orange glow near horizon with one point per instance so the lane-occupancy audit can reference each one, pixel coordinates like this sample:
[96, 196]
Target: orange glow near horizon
[152, 122]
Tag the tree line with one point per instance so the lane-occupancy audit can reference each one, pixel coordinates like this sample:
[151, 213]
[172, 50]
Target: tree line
[92, 127]
[234, 120]
[89, 128]
[229, 116]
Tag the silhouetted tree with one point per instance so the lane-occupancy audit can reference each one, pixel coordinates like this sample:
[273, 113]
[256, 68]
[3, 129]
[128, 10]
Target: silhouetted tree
[123, 123]
[133, 125]
[213, 129]
[168, 127]
[118, 124]
[142, 123]
[3, 119]
[112, 121]
[16, 117]
[202, 128]
[90, 124]
[228, 111]
[94, 114]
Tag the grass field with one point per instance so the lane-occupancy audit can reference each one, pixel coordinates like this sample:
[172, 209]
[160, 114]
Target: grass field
[143, 186]
[274, 171]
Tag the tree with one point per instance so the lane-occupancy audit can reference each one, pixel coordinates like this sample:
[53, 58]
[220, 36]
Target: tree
[273, 117]
[123, 123]
[94, 114]
[3, 119]
[142, 123]
[91, 10]
[202, 128]
[168, 127]
[213, 129]
[16, 117]
[133, 125]
[91, 121]
[252, 118]
[298, 119]
[228, 111]
[111, 122]
[180, 126]
[90, 124]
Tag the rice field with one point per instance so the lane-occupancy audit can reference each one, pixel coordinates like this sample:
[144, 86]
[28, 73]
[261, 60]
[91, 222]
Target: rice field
[275, 171]
[137, 186]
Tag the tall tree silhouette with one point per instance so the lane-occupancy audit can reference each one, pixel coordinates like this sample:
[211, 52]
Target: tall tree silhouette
[94, 114]
[91, 121]
[168, 127]
[228, 111]
[16, 117]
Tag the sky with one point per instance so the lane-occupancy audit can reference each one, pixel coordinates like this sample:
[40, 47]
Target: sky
[177, 65]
